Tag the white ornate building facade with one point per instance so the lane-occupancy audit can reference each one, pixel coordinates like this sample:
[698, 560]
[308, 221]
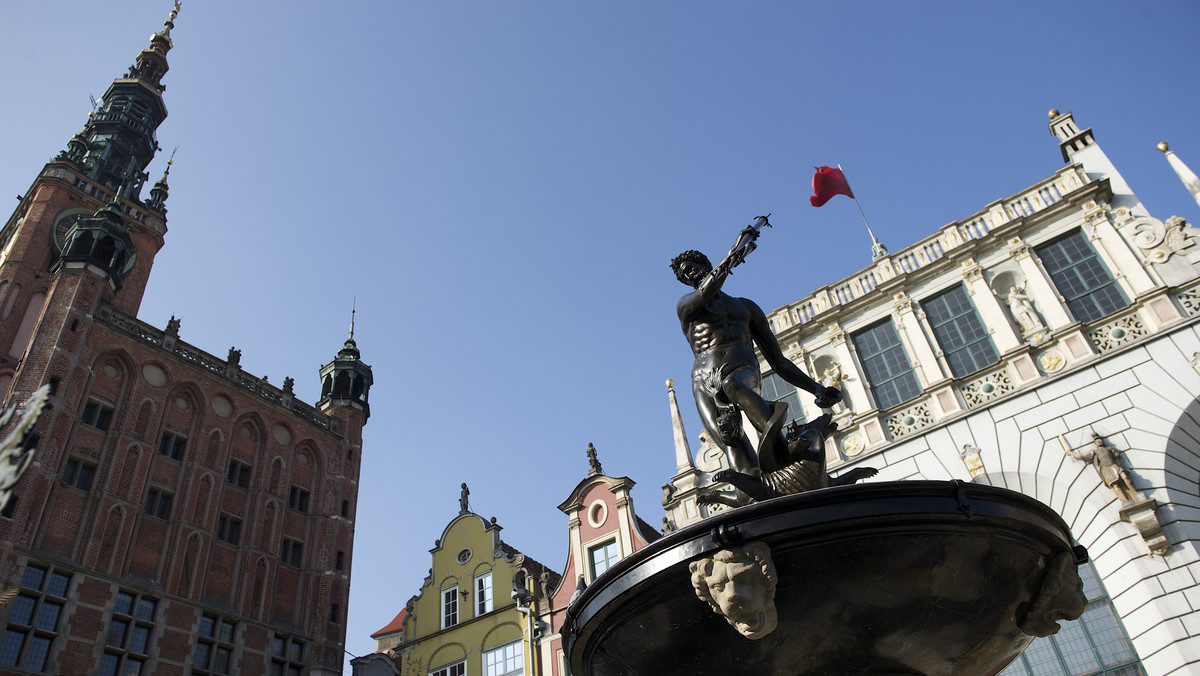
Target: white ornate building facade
[1049, 344]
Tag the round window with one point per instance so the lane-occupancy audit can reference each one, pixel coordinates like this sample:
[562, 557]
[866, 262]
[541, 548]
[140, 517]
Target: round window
[597, 513]
[464, 556]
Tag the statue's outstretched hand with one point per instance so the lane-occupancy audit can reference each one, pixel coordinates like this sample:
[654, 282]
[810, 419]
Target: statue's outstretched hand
[827, 396]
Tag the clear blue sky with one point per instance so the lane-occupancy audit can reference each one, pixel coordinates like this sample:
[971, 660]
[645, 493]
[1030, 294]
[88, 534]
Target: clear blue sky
[502, 185]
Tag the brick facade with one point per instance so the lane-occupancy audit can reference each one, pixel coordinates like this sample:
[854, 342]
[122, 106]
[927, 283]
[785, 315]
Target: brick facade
[201, 517]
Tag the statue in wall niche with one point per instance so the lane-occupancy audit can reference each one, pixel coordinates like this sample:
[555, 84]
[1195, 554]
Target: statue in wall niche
[723, 331]
[1107, 462]
[1022, 310]
[739, 584]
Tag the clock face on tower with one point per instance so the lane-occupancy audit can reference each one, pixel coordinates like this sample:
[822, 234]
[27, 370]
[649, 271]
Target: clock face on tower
[62, 223]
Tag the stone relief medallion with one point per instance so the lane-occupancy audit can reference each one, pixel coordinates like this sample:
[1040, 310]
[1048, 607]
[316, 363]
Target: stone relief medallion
[1051, 361]
[154, 374]
[182, 404]
[111, 371]
[221, 405]
[852, 445]
[739, 583]
[283, 435]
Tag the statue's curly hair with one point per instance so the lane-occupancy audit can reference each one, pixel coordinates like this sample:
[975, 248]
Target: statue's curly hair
[689, 255]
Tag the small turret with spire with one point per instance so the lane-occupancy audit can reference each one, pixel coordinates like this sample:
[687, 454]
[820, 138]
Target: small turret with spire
[346, 379]
[160, 191]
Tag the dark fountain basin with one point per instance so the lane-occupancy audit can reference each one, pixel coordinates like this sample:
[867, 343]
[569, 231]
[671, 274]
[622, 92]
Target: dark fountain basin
[913, 577]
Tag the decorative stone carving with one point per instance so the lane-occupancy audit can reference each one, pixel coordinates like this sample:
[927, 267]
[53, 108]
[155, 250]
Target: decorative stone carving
[1118, 332]
[1021, 309]
[970, 455]
[739, 584]
[1060, 597]
[987, 387]
[914, 418]
[1051, 361]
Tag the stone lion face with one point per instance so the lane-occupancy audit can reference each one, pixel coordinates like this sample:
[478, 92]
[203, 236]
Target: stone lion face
[740, 586]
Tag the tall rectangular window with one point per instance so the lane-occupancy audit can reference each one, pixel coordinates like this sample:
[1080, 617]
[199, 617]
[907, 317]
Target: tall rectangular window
[287, 656]
[483, 593]
[886, 365]
[959, 332]
[215, 646]
[507, 660]
[449, 607]
[775, 388]
[602, 557]
[1080, 276]
[33, 623]
[128, 640]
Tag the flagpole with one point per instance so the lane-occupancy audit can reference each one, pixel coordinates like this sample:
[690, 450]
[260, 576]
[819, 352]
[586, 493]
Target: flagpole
[877, 249]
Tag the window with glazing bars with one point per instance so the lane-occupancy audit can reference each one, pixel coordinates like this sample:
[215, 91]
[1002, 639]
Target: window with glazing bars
[129, 630]
[33, 618]
[1080, 276]
[775, 388]
[959, 332]
[886, 365]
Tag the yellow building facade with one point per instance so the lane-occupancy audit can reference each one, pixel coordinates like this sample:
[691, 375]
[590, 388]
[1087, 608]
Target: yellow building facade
[466, 619]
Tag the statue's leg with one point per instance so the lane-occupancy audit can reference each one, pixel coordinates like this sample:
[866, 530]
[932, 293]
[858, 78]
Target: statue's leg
[740, 454]
[743, 387]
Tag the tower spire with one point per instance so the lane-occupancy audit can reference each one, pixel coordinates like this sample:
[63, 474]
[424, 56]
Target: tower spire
[160, 191]
[119, 139]
[1186, 175]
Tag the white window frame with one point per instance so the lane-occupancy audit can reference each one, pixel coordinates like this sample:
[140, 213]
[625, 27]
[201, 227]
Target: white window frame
[484, 598]
[457, 669]
[449, 613]
[600, 546]
[503, 657]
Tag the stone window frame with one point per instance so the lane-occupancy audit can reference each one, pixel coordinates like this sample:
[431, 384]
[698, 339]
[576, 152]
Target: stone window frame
[133, 615]
[1084, 266]
[229, 529]
[239, 474]
[216, 645]
[172, 445]
[97, 414]
[74, 473]
[287, 655]
[291, 552]
[30, 621]
[158, 503]
[868, 363]
[458, 668]
[949, 329]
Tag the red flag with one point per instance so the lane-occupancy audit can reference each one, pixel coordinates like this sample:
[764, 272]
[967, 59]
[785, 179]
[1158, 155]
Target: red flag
[828, 182]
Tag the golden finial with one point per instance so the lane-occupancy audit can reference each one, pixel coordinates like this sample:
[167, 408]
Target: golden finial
[1163, 147]
[670, 383]
[1053, 113]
